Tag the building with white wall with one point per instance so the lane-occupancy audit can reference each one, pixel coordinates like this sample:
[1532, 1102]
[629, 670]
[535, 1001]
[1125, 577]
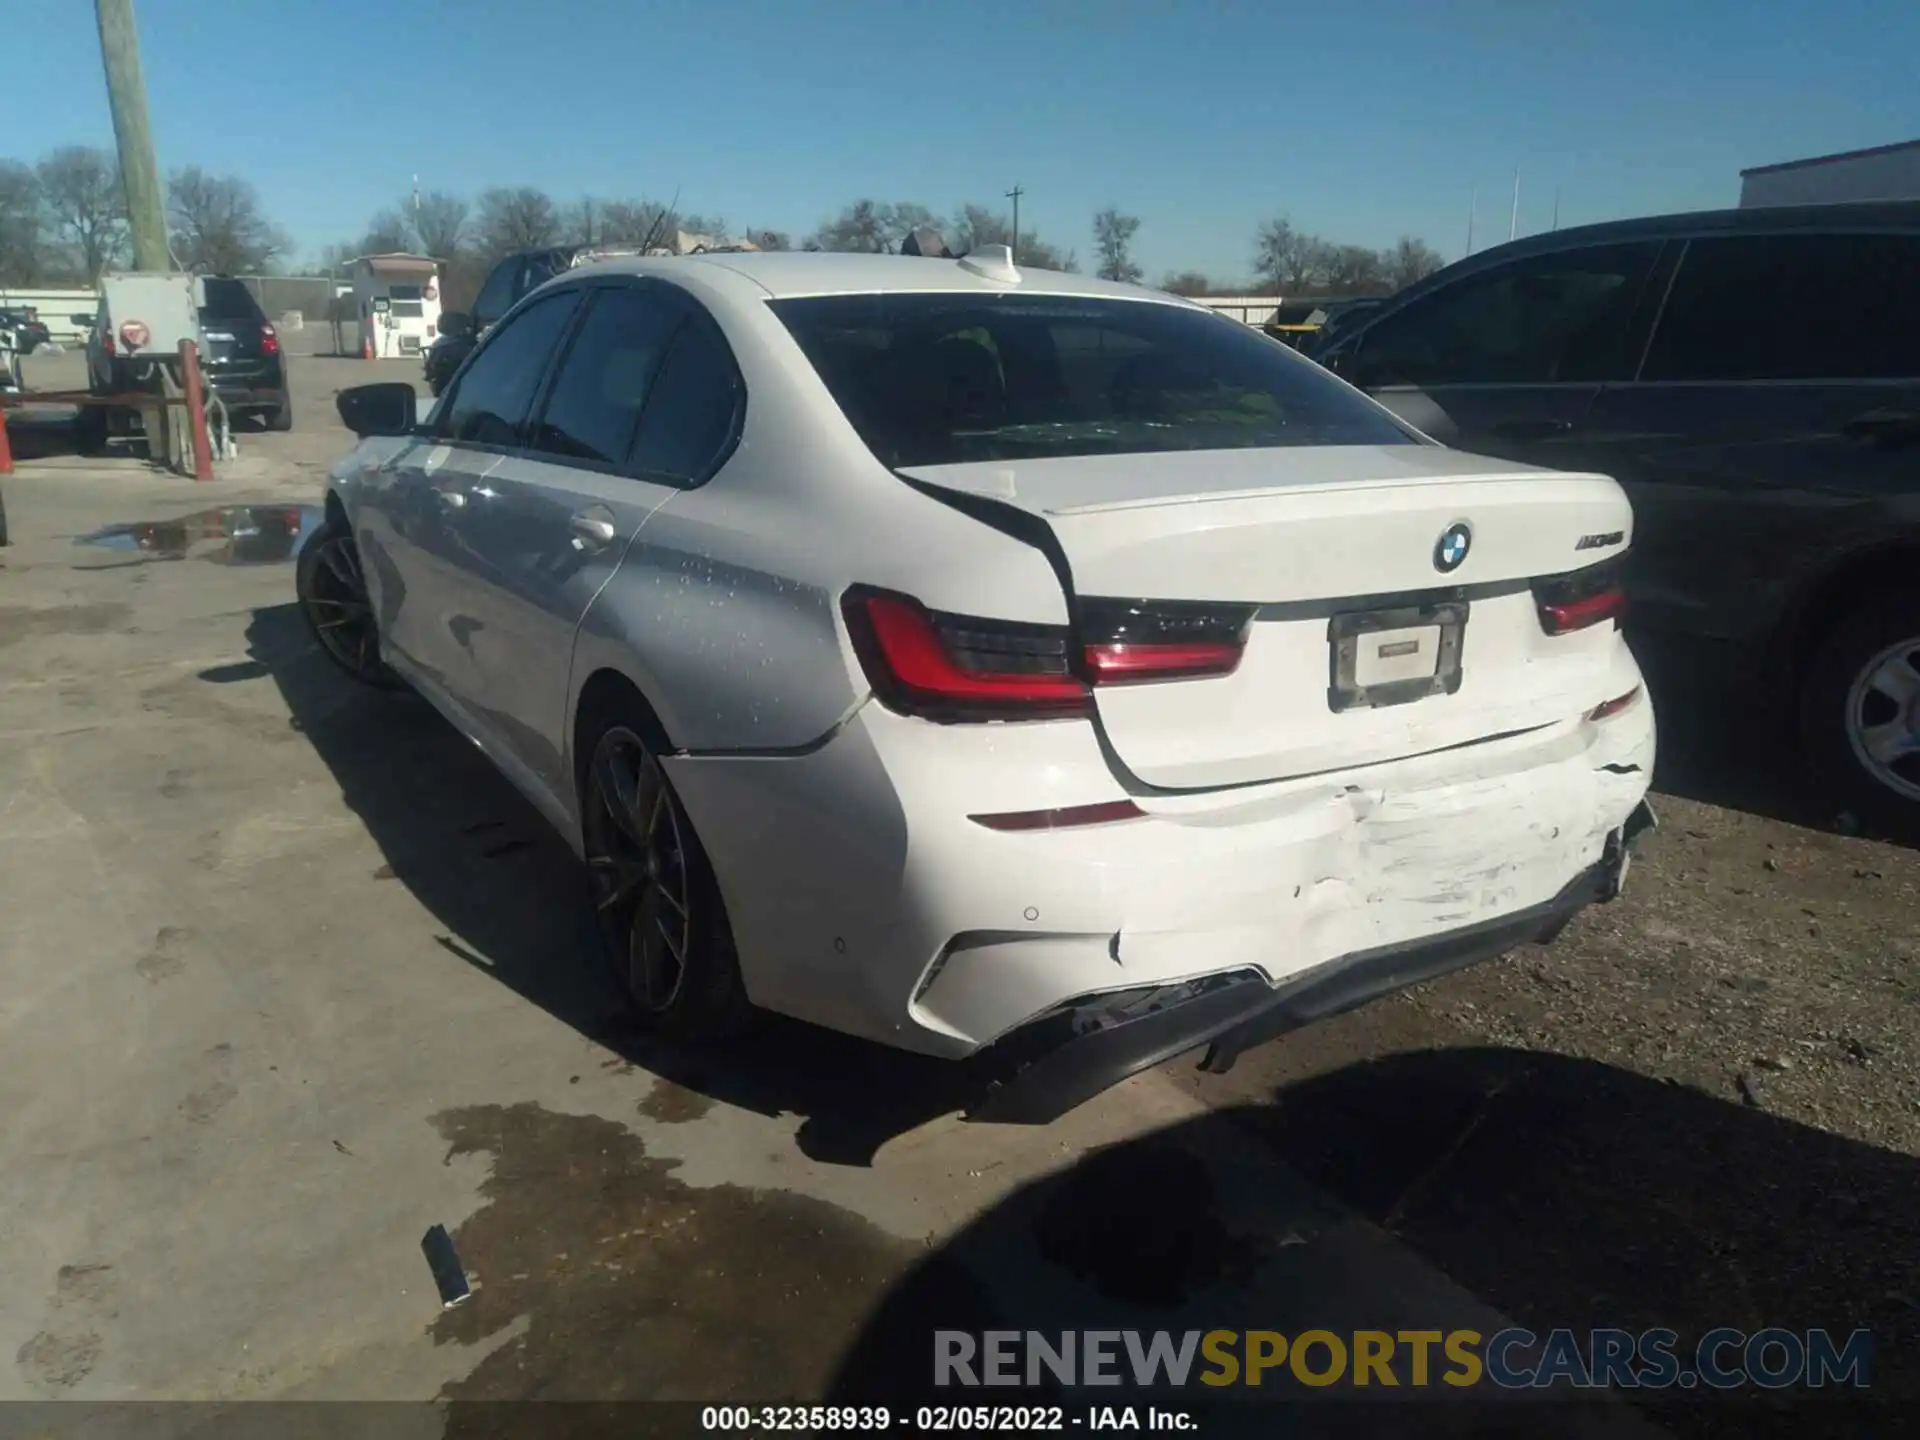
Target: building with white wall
[1886, 172]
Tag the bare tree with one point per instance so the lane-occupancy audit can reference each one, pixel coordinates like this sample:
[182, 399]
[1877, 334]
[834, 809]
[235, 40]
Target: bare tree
[386, 234]
[21, 232]
[217, 225]
[871, 227]
[628, 222]
[976, 225]
[1187, 282]
[860, 227]
[581, 224]
[1287, 259]
[516, 218]
[1113, 237]
[1355, 270]
[1410, 260]
[84, 200]
[440, 224]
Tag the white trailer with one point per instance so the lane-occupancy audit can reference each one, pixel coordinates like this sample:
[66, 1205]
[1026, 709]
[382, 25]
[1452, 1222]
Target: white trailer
[394, 309]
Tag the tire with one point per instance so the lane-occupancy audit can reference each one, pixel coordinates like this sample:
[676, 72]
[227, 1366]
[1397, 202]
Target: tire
[651, 881]
[281, 419]
[90, 430]
[333, 600]
[1856, 695]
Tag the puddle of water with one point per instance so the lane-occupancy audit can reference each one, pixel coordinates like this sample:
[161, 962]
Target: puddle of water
[229, 535]
[635, 1285]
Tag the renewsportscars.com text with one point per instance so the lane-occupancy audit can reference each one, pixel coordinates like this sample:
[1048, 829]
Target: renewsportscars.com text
[1512, 1359]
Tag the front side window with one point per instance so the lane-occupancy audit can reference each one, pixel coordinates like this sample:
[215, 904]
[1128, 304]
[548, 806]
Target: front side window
[604, 380]
[1545, 320]
[1726, 318]
[935, 379]
[497, 388]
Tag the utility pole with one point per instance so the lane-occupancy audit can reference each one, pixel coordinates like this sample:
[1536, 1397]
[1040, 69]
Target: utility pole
[1513, 216]
[416, 209]
[1014, 195]
[127, 94]
[1556, 207]
[1473, 209]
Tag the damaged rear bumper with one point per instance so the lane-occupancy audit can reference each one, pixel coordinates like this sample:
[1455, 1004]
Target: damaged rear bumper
[1063, 1059]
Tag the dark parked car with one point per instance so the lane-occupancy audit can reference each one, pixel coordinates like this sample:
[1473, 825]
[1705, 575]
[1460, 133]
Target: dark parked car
[239, 351]
[29, 330]
[511, 277]
[1752, 378]
[242, 357]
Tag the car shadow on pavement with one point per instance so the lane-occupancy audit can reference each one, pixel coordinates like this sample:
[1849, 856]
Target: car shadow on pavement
[1561, 1192]
[512, 901]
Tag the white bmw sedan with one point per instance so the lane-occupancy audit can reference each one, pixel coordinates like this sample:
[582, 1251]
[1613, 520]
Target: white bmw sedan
[993, 662]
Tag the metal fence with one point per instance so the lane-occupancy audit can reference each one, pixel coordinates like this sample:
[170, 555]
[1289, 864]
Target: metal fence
[282, 295]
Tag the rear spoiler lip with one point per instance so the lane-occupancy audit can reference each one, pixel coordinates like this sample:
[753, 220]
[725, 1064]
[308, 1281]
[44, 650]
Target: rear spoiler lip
[928, 478]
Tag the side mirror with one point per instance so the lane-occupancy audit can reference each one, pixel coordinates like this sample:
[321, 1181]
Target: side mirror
[389, 408]
[456, 324]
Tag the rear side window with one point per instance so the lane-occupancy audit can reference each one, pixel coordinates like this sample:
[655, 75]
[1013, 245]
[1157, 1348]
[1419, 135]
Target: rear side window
[695, 409]
[1545, 320]
[1735, 302]
[602, 384]
[937, 379]
[224, 299]
[496, 390]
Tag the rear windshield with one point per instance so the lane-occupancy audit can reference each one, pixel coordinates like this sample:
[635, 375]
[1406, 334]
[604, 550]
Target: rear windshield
[940, 379]
[227, 300]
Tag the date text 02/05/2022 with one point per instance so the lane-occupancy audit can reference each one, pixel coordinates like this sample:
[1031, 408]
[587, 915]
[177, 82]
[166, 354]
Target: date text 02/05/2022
[939, 1419]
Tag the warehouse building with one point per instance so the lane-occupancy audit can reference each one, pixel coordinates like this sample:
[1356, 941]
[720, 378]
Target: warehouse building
[1886, 172]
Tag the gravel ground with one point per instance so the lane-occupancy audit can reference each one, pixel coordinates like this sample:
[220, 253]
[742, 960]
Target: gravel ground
[1699, 1107]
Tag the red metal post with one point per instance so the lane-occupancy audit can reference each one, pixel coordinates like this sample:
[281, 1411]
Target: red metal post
[6, 450]
[196, 410]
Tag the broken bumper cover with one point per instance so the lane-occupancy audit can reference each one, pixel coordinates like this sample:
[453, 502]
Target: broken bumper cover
[1059, 1061]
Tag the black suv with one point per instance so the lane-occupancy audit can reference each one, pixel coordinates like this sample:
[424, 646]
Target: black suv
[242, 359]
[1752, 378]
[510, 278]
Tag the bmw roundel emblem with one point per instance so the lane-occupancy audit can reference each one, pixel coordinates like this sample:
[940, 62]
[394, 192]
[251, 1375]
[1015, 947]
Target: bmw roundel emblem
[1452, 546]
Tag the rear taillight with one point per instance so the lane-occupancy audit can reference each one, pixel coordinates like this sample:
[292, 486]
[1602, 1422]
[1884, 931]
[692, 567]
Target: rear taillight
[106, 342]
[269, 341]
[1581, 599]
[954, 668]
[1129, 641]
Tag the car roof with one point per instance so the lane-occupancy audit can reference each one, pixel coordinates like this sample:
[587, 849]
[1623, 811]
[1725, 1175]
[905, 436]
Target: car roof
[789, 274]
[1852, 217]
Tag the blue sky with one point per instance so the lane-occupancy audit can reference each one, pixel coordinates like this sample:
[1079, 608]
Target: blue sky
[1362, 120]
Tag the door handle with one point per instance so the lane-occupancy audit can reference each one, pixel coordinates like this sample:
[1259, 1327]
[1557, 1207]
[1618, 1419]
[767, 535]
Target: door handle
[1532, 429]
[592, 529]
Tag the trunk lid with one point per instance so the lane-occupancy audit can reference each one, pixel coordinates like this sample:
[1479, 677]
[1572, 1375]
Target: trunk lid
[1361, 647]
